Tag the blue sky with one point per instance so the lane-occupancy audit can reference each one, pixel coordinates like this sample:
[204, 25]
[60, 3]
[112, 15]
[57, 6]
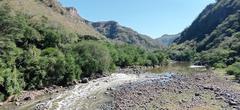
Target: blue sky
[150, 17]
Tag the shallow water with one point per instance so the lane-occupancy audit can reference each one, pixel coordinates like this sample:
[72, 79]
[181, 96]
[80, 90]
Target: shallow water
[178, 68]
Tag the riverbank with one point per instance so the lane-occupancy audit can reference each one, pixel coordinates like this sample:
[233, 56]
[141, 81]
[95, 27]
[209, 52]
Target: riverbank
[199, 91]
[135, 88]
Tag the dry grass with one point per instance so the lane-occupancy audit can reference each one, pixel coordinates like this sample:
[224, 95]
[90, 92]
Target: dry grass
[37, 9]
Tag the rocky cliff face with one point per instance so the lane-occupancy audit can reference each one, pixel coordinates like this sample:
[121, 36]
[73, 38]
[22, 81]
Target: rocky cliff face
[55, 5]
[72, 11]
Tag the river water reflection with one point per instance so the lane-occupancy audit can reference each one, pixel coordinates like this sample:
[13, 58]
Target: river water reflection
[179, 68]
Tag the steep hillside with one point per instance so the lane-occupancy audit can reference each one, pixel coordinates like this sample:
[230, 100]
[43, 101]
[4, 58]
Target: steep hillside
[118, 33]
[214, 35]
[167, 40]
[55, 14]
[209, 19]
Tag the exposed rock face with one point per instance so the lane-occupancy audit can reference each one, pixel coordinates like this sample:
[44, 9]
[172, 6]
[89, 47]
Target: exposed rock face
[72, 11]
[55, 5]
[73, 14]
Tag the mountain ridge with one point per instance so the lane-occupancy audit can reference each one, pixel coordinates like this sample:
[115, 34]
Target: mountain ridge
[167, 39]
[214, 36]
[118, 33]
[209, 19]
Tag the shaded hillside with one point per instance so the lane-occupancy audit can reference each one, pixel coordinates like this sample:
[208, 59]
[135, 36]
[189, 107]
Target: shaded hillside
[212, 17]
[54, 13]
[118, 33]
[214, 35]
[167, 40]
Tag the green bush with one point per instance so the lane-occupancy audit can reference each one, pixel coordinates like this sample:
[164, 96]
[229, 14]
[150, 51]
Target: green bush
[219, 65]
[34, 55]
[234, 69]
[93, 57]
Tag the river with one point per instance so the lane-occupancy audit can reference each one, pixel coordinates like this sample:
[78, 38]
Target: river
[93, 95]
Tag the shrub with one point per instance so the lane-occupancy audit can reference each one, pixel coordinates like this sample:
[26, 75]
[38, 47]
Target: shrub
[93, 57]
[219, 65]
[234, 70]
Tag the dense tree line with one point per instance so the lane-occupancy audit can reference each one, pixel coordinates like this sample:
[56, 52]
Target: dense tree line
[34, 55]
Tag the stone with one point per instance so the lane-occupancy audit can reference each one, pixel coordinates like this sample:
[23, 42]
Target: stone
[106, 93]
[231, 102]
[139, 93]
[237, 107]
[17, 103]
[180, 92]
[28, 98]
[151, 99]
[110, 89]
[106, 81]
[80, 81]
[85, 80]
[75, 82]
[197, 94]
[219, 98]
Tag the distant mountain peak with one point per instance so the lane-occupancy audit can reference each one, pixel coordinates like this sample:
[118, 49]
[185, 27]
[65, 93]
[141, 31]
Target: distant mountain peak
[167, 39]
[116, 32]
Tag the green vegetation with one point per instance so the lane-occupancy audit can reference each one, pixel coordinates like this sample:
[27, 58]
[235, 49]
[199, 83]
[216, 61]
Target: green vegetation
[182, 52]
[34, 55]
[93, 57]
[214, 36]
[234, 69]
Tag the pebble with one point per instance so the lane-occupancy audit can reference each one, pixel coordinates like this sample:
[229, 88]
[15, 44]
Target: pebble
[232, 102]
[197, 94]
[17, 103]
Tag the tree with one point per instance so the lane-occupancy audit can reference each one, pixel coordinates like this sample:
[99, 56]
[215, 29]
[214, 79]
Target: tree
[93, 57]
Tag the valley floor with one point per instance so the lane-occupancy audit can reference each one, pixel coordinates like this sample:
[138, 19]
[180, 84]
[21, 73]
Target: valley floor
[200, 91]
[145, 91]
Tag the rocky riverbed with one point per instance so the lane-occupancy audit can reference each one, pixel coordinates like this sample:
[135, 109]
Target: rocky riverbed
[134, 89]
[200, 91]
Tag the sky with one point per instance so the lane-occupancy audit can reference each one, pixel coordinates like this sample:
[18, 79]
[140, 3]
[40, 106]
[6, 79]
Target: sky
[150, 17]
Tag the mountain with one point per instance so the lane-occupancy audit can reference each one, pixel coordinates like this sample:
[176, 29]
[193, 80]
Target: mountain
[117, 33]
[167, 40]
[44, 44]
[214, 25]
[55, 14]
[214, 36]
[68, 18]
